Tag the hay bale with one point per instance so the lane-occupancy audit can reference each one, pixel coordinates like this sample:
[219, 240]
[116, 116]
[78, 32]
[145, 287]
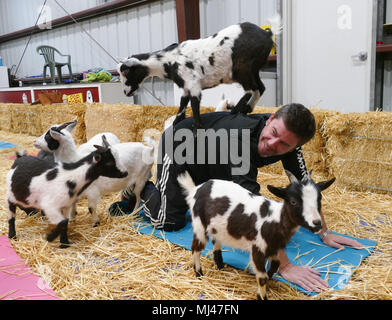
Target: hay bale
[35, 119]
[5, 116]
[59, 113]
[359, 148]
[122, 120]
[26, 119]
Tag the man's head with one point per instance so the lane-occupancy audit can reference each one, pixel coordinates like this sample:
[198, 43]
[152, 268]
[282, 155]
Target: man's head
[291, 126]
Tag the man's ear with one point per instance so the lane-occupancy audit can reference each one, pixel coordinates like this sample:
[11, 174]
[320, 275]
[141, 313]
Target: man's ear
[272, 116]
[279, 192]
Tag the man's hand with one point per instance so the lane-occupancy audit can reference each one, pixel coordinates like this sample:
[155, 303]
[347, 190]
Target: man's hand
[304, 276]
[338, 241]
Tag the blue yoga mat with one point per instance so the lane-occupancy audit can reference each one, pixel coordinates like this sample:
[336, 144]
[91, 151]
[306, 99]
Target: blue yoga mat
[6, 145]
[305, 248]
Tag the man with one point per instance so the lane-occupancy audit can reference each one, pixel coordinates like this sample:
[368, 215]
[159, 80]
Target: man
[233, 147]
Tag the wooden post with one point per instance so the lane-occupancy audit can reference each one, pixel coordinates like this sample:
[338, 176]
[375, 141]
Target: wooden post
[188, 19]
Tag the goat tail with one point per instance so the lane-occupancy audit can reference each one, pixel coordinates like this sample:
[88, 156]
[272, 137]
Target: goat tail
[20, 153]
[186, 182]
[151, 138]
[276, 24]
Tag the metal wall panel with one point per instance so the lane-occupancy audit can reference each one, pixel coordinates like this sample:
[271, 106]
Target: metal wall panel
[21, 14]
[146, 28]
[142, 29]
[218, 14]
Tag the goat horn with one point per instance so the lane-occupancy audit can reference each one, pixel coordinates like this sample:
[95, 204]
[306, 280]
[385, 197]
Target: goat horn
[105, 142]
[64, 125]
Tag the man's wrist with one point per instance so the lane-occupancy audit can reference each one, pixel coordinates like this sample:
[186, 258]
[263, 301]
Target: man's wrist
[324, 233]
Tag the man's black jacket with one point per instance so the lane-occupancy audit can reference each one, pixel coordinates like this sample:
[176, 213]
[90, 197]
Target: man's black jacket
[228, 155]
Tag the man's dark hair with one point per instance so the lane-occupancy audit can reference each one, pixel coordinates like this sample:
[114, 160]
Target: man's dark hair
[299, 120]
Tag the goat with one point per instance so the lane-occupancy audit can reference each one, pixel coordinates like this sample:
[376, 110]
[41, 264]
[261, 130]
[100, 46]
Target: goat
[230, 214]
[55, 186]
[234, 54]
[135, 156]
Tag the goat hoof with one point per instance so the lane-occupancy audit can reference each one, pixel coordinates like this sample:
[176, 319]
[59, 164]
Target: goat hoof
[64, 245]
[199, 274]
[261, 299]
[96, 224]
[218, 259]
[12, 235]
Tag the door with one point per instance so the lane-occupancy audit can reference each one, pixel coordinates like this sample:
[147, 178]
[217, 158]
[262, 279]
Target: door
[328, 53]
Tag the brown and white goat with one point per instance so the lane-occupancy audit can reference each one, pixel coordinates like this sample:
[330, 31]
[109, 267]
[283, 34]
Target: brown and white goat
[231, 215]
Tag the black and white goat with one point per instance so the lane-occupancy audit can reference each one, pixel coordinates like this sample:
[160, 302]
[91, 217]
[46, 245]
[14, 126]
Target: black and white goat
[231, 215]
[136, 157]
[55, 186]
[234, 54]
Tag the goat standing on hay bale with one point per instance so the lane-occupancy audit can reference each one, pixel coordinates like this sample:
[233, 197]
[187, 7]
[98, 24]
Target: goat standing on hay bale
[54, 186]
[230, 214]
[234, 54]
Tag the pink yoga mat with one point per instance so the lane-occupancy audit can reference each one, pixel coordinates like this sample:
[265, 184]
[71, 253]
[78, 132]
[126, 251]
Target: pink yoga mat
[17, 280]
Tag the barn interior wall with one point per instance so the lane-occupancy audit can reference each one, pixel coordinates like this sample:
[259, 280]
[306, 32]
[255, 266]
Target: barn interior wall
[140, 29]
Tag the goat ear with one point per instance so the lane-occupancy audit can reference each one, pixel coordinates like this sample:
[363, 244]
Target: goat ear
[279, 192]
[56, 135]
[100, 148]
[72, 125]
[325, 184]
[291, 177]
[105, 141]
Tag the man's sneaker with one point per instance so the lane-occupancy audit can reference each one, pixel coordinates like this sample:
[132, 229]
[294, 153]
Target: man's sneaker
[121, 208]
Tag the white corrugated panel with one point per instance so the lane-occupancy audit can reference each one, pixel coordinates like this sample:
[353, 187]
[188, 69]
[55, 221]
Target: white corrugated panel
[142, 29]
[218, 14]
[20, 14]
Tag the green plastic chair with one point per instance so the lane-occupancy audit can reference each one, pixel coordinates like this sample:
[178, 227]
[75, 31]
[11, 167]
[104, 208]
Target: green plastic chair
[48, 53]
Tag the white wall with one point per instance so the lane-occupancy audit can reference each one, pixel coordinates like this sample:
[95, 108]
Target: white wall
[218, 14]
[20, 14]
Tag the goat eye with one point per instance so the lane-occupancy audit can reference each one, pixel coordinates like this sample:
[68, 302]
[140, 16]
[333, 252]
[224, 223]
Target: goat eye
[293, 202]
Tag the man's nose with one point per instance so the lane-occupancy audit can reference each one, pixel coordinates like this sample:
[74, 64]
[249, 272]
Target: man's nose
[273, 143]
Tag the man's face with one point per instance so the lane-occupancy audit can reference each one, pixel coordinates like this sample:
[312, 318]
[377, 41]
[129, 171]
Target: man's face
[276, 139]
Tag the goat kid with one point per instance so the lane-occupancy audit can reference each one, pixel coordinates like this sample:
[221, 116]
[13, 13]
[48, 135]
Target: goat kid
[234, 54]
[135, 156]
[229, 214]
[54, 186]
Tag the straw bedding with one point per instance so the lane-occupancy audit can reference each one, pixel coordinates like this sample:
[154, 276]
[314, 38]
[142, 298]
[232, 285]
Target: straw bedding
[114, 261]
